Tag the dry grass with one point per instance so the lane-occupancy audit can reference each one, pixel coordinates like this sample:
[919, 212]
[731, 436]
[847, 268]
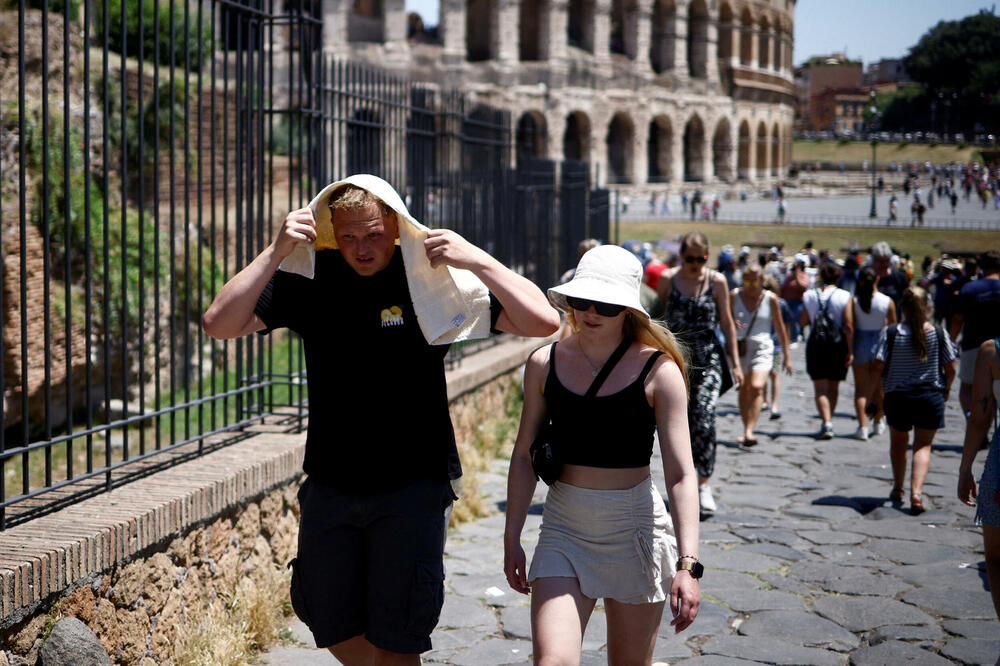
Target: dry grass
[486, 424]
[236, 628]
[855, 152]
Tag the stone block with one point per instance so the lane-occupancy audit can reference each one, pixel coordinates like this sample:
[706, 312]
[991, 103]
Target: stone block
[72, 643]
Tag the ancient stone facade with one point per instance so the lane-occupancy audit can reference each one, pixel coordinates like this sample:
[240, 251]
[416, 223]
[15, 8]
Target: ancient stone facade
[651, 93]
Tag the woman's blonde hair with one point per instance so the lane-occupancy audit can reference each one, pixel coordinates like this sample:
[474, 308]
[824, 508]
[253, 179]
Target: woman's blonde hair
[914, 305]
[651, 333]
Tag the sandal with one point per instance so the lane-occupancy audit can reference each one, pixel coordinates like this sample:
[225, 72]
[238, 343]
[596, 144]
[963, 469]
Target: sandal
[916, 505]
[896, 496]
[775, 416]
[752, 441]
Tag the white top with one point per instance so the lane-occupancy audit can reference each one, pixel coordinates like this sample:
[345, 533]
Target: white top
[761, 330]
[835, 299]
[874, 320]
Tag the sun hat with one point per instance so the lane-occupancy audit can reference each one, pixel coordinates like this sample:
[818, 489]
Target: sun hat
[951, 265]
[607, 274]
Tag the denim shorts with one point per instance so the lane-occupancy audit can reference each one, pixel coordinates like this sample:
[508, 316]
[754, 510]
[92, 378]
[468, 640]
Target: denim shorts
[372, 565]
[915, 408]
[865, 344]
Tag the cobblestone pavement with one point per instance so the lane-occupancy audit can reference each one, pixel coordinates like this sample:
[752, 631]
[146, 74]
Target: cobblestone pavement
[807, 562]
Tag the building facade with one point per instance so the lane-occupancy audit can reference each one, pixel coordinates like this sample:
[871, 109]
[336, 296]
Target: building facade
[652, 94]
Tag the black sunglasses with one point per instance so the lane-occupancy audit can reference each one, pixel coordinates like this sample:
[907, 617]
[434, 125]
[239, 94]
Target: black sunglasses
[603, 309]
[690, 259]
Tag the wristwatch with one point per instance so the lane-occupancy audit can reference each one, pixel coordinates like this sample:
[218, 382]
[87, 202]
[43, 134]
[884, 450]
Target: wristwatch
[693, 566]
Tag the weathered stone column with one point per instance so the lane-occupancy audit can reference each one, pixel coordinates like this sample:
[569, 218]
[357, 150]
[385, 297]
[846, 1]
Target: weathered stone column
[644, 35]
[505, 39]
[555, 120]
[712, 50]
[602, 31]
[335, 26]
[640, 149]
[452, 27]
[677, 150]
[681, 74]
[553, 28]
[599, 150]
[396, 46]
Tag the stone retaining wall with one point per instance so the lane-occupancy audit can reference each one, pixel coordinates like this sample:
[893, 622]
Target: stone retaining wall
[148, 561]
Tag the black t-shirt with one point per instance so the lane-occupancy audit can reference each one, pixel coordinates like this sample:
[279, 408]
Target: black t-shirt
[378, 400]
[893, 285]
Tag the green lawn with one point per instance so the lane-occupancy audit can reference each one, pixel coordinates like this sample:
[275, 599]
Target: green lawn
[855, 152]
[917, 242]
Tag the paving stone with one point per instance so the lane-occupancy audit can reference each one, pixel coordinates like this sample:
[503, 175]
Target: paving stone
[737, 559]
[716, 581]
[912, 552]
[748, 601]
[866, 613]
[493, 651]
[826, 538]
[786, 584]
[465, 613]
[475, 585]
[971, 628]
[864, 582]
[717, 660]
[671, 648]
[972, 650]
[776, 550]
[785, 537]
[740, 518]
[451, 639]
[769, 650]
[516, 622]
[890, 653]
[957, 603]
[851, 556]
[906, 633]
[952, 574]
[596, 635]
[712, 619]
[818, 571]
[799, 628]
[821, 512]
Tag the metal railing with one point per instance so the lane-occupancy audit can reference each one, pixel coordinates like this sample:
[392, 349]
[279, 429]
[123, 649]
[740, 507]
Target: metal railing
[146, 160]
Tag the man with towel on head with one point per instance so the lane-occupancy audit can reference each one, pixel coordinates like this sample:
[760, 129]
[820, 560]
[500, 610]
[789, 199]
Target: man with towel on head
[376, 321]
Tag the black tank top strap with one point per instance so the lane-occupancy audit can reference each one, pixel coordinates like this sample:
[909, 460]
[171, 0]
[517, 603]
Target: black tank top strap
[552, 356]
[646, 369]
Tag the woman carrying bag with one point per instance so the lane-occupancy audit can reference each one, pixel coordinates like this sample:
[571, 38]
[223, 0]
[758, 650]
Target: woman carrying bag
[757, 313]
[915, 362]
[605, 531]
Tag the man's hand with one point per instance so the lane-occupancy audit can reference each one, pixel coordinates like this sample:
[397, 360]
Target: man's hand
[444, 246]
[299, 228]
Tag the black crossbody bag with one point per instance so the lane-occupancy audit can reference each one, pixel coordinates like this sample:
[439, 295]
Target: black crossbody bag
[544, 461]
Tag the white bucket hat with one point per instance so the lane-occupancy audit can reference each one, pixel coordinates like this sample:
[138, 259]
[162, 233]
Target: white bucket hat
[607, 274]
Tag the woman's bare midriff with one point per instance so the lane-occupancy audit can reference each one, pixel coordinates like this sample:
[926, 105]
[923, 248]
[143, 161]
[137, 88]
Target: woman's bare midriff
[603, 478]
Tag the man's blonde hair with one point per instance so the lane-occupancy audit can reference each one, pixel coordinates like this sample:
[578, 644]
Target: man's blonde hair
[351, 197]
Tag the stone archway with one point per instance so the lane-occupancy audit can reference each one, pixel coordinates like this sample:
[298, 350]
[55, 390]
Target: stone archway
[621, 131]
[580, 26]
[660, 148]
[624, 28]
[661, 46]
[479, 17]
[694, 150]
[764, 44]
[697, 40]
[529, 29]
[746, 38]
[743, 152]
[762, 145]
[776, 152]
[531, 136]
[576, 138]
[727, 33]
[722, 151]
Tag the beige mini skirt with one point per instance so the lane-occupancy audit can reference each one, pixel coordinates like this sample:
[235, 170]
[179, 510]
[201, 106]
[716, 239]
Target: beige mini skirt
[618, 543]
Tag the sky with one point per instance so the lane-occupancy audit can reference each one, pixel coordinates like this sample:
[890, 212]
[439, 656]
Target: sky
[868, 30]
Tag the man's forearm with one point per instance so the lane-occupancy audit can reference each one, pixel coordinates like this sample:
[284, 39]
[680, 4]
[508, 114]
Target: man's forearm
[232, 311]
[525, 305]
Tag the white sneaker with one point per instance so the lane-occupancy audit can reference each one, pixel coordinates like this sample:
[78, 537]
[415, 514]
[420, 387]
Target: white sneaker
[861, 433]
[706, 499]
[825, 432]
[879, 428]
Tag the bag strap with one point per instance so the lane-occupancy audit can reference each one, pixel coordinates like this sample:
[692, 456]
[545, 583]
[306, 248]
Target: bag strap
[753, 319]
[890, 338]
[609, 365]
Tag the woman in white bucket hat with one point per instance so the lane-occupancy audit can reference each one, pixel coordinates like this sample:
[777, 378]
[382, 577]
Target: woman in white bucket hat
[606, 532]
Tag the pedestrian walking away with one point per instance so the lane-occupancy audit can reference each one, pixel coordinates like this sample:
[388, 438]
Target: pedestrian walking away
[915, 362]
[976, 319]
[873, 311]
[605, 532]
[376, 321]
[830, 345]
[985, 497]
[696, 300]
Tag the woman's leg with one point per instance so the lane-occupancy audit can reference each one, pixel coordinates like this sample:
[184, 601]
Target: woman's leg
[921, 459]
[832, 395]
[632, 632]
[559, 614]
[821, 388]
[745, 397]
[755, 384]
[991, 547]
[899, 441]
[775, 390]
[862, 372]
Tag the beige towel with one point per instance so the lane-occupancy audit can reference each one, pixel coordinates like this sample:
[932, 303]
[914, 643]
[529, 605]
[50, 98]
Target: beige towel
[452, 304]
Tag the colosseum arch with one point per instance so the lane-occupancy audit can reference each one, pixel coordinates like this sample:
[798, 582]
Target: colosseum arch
[479, 21]
[531, 135]
[580, 27]
[743, 152]
[762, 146]
[776, 153]
[660, 149]
[697, 40]
[366, 21]
[661, 46]
[722, 151]
[727, 33]
[764, 44]
[746, 38]
[624, 28]
[529, 29]
[576, 138]
[694, 149]
[621, 132]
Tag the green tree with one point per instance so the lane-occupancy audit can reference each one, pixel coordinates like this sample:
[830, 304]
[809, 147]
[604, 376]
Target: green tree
[959, 63]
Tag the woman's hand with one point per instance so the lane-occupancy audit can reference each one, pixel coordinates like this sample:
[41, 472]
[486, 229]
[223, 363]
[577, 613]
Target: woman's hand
[967, 492]
[515, 568]
[685, 598]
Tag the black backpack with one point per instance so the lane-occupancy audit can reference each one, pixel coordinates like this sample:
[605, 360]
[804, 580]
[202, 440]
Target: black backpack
[823, 328]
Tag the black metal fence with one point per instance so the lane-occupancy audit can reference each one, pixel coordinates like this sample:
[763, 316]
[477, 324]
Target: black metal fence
[147, 154]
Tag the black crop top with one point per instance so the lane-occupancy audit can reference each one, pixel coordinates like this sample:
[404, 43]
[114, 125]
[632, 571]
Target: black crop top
[610, 431]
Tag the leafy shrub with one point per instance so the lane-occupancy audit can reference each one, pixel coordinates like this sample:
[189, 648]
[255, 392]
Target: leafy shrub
[193, 47]
[56, 6]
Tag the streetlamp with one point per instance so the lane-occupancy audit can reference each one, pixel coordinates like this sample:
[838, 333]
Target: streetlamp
[872, 124]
